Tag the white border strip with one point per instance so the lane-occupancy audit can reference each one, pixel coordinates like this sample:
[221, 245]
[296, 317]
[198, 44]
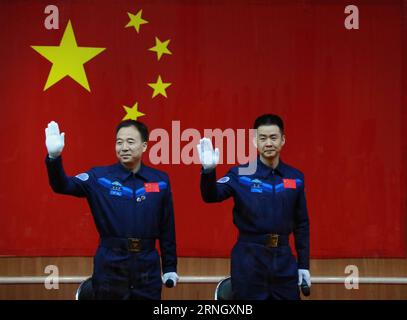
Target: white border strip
[208, 279]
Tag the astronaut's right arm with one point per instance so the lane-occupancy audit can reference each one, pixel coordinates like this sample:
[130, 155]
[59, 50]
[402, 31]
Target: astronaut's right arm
[58, 180]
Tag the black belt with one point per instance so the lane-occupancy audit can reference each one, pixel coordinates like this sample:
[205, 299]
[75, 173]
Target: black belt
[271, 240]
[128, 244]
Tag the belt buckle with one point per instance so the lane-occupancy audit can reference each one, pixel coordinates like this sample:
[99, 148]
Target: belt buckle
[134, 245]
[272, 240]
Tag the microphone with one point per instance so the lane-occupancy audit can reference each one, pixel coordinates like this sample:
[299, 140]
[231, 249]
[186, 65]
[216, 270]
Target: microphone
[305, 289]
[169, 283]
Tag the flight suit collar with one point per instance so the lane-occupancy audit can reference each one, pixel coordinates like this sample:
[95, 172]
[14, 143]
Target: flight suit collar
[123, 173]
[144, 172]
[264, 171]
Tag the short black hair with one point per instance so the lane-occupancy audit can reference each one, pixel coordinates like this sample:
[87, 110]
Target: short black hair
[269, 119]
[141, 127]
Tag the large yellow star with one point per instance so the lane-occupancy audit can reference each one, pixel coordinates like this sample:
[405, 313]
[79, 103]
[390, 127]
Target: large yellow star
[67, 59]
[136, 20]
[132, 113]
[159, 87]
[160, 48]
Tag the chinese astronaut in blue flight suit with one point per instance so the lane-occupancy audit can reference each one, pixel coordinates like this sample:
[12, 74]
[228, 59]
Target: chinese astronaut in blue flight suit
[269, 205]
[132, 207]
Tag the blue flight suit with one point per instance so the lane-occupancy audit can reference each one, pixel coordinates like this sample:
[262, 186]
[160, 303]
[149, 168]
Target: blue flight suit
[271, 201]
[125, 207]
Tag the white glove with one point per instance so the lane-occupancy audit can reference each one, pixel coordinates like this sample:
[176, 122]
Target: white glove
[207, 156]
[54, 141]
[172, 276]
[304, 274]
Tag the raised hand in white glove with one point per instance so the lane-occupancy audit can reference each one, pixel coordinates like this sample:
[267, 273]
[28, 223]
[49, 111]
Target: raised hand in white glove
[54, 141]
[208, 157]
[304, 274]
[170, 276]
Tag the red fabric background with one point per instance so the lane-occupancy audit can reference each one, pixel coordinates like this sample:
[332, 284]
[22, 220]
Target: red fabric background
[340, 92]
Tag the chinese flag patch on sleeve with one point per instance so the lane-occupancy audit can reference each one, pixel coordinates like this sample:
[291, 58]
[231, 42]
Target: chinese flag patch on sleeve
[289, 184]
[152, 187]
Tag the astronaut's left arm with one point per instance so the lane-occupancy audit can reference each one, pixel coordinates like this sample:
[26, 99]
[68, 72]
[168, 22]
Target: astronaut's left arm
[301, 229]
[167, 234]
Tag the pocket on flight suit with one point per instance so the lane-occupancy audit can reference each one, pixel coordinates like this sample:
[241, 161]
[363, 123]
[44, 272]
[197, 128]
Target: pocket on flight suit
[148, 268]
[249, 271]
[110, 276]
[286, 264]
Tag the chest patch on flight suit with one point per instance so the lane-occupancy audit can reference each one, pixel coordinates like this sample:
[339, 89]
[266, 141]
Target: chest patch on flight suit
[82, 176]
[289, 184]
[223, 180]
[141, 192]
[116, 188]
[152, 187]
[256, 185]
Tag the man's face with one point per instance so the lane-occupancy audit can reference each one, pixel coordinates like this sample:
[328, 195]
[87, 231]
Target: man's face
[129, 146]
[269, 141]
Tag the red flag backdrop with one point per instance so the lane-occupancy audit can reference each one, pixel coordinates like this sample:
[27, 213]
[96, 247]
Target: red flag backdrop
[340, 92]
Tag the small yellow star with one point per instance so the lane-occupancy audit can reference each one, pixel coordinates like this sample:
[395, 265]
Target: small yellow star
[136, 20]
[159, 87]
[132, 113]
[160, 48]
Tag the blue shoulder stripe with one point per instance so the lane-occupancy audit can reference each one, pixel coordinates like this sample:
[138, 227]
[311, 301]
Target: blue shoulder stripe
[128, 192]
[162, 185]
[267, 187]
[279, 187]
[245, 180]
[105, 182]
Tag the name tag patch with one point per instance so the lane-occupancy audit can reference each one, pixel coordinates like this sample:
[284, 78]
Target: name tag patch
[256, 186]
